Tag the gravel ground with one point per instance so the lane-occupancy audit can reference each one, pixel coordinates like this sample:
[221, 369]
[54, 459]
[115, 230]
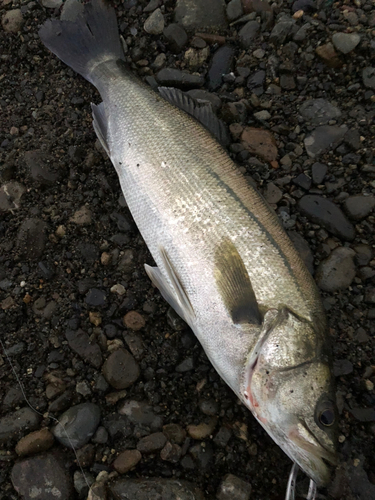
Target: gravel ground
[295, 85]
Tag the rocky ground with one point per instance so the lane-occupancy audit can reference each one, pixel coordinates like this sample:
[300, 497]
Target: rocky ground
[89, 338]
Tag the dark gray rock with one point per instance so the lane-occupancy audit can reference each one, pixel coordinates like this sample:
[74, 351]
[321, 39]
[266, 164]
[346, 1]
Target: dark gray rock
[319, 111]
[234, 10]
[195, 14]
[120, 369]
[176, 36]
[342, 367]
[353, 139]
[95, 297]
[221, 64]
[233, 487]
[154, 24]
[31, 238]
[368, 77]
[185, 366]
[272, 193]
[303, 249]
[80, 343]
[118, 427]
[328, 215]
[140, 413]
[41, 169]
[256, 81]
[203, 455]
[222, 437]
[358, 207]
[42, 477]
[152, 443]
[337, 271]
[77, 425]
[303, 181]
[323, 138]
[346, 42]
[14, 425]
[281, 30]
[248, 32]
[364, 254]
[155, 489]
[176, 78]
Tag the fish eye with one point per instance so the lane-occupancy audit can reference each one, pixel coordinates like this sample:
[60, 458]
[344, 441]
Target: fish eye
[327, 417]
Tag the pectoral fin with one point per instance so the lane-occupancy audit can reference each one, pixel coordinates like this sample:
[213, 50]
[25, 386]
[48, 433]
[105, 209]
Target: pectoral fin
[235, 286]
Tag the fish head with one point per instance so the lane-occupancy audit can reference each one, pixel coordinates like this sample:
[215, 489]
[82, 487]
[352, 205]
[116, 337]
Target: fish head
[288, 386]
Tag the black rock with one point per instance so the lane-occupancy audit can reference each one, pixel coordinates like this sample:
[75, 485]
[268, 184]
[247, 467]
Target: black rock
[95, 298]
[221, 64]
[318, 171]
[248, 32]
[80, 343]
[31, 238]
[176, 78]
[256, 81]
[302, 181]
[176, 36]
[77, 425]
[358, 207]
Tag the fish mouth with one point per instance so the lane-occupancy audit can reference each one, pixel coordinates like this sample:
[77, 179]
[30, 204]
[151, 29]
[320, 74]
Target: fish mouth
[314, 459]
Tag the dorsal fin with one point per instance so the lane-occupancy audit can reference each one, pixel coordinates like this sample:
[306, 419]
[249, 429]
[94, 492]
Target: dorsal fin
[200, 111]
[235, 286]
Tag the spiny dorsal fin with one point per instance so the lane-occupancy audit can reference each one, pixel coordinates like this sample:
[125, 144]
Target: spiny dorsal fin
[200, 111]
[234, 285]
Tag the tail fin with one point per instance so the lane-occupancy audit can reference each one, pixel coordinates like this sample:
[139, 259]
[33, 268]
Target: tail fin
[85, 36]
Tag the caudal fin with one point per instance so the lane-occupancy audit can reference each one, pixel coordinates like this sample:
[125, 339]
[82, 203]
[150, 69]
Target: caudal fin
[85, 36]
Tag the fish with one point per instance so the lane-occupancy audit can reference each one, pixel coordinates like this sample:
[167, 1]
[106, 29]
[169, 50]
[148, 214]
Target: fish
[223, 260]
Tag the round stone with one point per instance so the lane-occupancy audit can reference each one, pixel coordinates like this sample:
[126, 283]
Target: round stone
[120, 369]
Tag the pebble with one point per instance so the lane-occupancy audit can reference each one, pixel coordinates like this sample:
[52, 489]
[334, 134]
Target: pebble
[40, 169]
[358, 207]
[281, 30]
[318, 172]
[328, 54]
[42, 477]
[14, 424]
[319, 111]
[328, 215]
[324, 138]
[152, 443]
[195, 14]
[234, 10]
[262, 115]
[95, 297]
[195, 58]
[203, 430]
[363, 254]
[272, 193]
[209, 407]
[346, 42]
[154, 24]
[259, 142]
[185, 366]
[120, 369]
[175, 78]
[10, 196]
[156, 489]
[35, 442]
[203, 454]
[174, 433]
[77, 425]
[126, 461]
[12, 21]
[222, 437]
[82, 217]
[248, 32]
[171, 453]
[140, 413]
[232, 487]
[134, 321]
[255, 82]
[342, 367]
[31, 238]
[79, 341]
[337, 271]
[100, 436]
[176, 36]
[368, 77]
[221, 64]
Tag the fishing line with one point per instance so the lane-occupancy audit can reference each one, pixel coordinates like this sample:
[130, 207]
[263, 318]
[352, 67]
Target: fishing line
[41, 414]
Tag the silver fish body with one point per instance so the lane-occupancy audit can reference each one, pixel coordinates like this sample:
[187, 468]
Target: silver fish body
[223, 260]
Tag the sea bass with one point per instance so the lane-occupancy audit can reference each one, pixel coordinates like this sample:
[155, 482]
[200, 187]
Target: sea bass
[224, 262]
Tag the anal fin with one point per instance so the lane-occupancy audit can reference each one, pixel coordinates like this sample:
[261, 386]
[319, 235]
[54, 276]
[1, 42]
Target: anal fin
[100, 124]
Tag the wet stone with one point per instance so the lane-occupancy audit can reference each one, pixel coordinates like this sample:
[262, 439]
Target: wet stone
[152, 443]
[328, 215]
[176, 78]
[324, 138]
[195, 14]
[221, 64]
[79, 423]
[318, 171]
[337, 271]
[176, 36]
[248, 32]
[120, 369]
[126, 461]
[140, 413]
[118, 426]
[154, 24]
[80, 343]
[346, 42]
[234, 10]
[35, 442]
[368, 77]
[13, 425]
[358, 207]
[10, 196]
[319, 111]
[233, 487]
[155, 489]
[41, 477]
[31, 238]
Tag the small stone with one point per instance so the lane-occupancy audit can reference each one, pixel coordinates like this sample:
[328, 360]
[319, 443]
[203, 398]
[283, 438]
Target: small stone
[176, 36]
[185, 366]
[222, 437]
[209, 407]
[155, 489]
[233, 487]
[175, 78]
[35, 442]
[337, 271]
[79, 341]
[134, 321]
[15, 424]
[328, 54]
[12, 21]
[31, 238]
[195, 58]
[281, 30]
[358, 207]
[41, 169]
[318, 171]
[319, 111]
[203, 430]
[174, 433]
[152, 443]
[126, 461]
[234, 10]
[262, 115]
[82, 217]
[221, 64]
[77, 425]
[105, 258]
[95, 297]
[140, 413]
[195, 14]
[10, 196]
[120, 369]
[346, 42]
[154, 24]
[342, 367]
[272, 193]
[324, 138]
[248, 32]
[259, 142]
[95, 318]
[7, 303]
[152, 5]
[118, 288]
[363, 254]
[171, 452]
[303, 181]
[368, 77]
